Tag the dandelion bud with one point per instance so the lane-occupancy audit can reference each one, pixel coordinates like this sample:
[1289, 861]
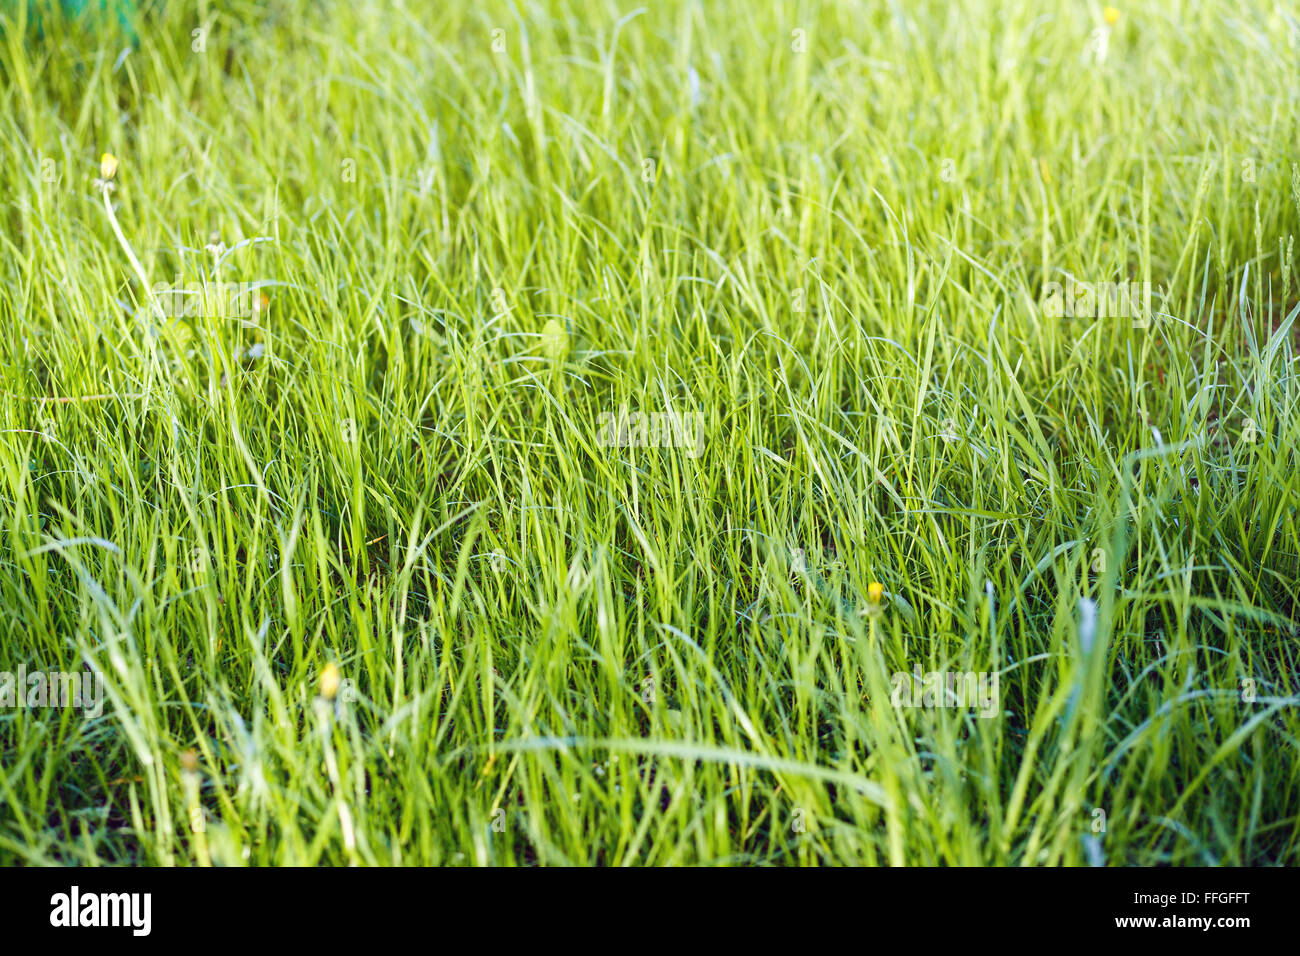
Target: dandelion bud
[329, 681]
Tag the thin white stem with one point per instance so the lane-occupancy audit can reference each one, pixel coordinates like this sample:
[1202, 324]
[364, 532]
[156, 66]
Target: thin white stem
[130, 254]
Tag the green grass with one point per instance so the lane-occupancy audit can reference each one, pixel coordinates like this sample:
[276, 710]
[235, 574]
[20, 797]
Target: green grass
[830, 245]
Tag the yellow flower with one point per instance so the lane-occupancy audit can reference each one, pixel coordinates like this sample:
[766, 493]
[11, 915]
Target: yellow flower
[329, 681]
[1111, 15]
[107, 166]
[189, 761]
[875, 591]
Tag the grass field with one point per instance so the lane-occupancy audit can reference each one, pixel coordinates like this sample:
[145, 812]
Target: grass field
[582, 433]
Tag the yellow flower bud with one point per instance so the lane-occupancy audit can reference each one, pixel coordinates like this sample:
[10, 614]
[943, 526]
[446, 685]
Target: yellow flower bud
[329, 681]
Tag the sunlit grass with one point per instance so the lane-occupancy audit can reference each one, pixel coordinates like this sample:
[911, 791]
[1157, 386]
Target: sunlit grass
[355, 536]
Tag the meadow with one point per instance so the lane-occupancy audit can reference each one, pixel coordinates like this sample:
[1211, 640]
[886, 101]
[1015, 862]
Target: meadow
[554, 432]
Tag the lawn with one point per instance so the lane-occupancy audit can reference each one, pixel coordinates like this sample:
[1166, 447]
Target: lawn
[535, 433]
